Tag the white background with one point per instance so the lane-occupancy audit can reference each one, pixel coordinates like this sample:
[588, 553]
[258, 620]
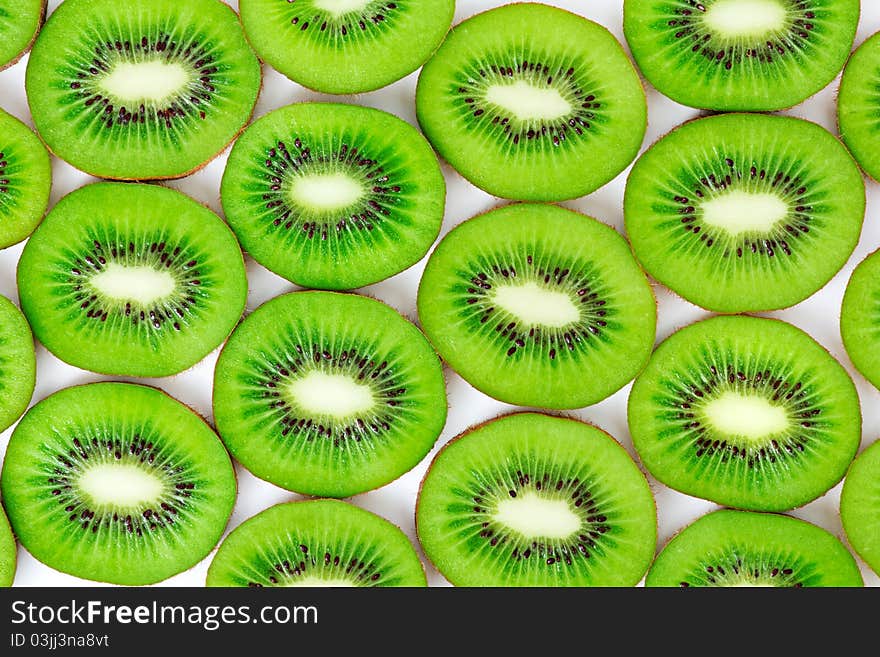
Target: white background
[396, 501]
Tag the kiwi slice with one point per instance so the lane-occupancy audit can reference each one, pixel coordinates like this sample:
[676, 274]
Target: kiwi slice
[860, 506]
[328, 394]
[857, 106]
[20, 20]
[18, 365]
[316, 543]
[745, 212]
[142, 89]
[743, 548]
[740, 54]
[346, 46]
[535, 500]
[531, 102]
[333, 196]
[538, 306]
[860, 318]
[746, 412]
[25, 179]
[118, 483]
[8, 551]
[136, 280]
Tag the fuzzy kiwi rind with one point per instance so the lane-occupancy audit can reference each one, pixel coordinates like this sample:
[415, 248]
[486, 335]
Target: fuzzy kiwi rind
[743, 261]
[860, 505]
[688, 413]
[25, 180]
[696, 65]
[603, 342]
[58, 483]
[117, 229]
[390, 224]
[599, 109]
[368, 48]
[18, 364]
[8, 552]
[321, 542]
[614, 544]
[36, 10]
[106, 131]
[744, 548]
[373, 359]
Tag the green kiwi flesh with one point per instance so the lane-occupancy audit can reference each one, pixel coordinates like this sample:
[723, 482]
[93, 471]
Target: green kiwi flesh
[537, 305]
[316, 543]
[746, 412]
[751, 55]
[860, 318]
[18, 365]
[143, 89]
[20, 20]
[745, 212]
[857, 104]
[742, 548]
[328, 394]
[531, 102]
[8, 551]
[333, 196]
[860, 506]
[25, 180]
[118, 483]
[135, 280]
[535, 500]
[346, 47]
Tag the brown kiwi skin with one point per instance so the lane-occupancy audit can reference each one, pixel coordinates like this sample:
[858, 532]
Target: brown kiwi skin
[199, 167]
[549, 413]
[443, 368]
[704, 114]
[27, 48]
[238, 321]
[772, 319]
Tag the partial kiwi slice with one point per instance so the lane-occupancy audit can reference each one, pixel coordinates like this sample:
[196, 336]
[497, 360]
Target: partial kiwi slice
[857, 106]
[333, 196]
[860, 506]
[20, 20]
[751, 55]
[316, 543]
[535, 500]
[142, 89]
[137, 280]
[346, 46]
[742, 548]
[328, 394]
[8, 551]
[538, 306]
[531, 102]
[18, 365]
[745, 212]
[860, 318]
[747, 412]
[25, 180]
[117, 482]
